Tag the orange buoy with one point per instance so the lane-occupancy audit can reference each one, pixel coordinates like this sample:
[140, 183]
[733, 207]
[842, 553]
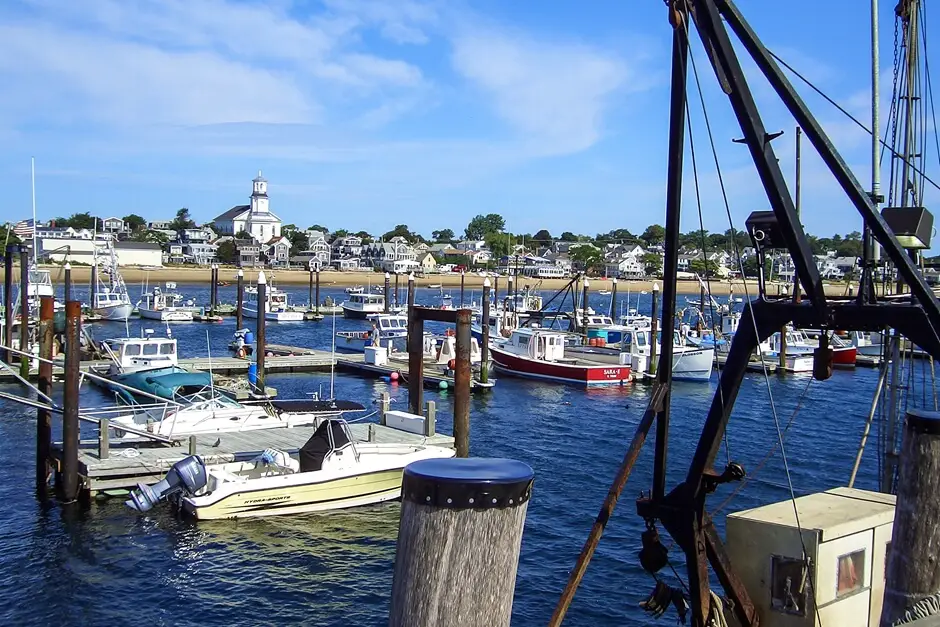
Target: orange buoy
[601, 342]
[452, 364]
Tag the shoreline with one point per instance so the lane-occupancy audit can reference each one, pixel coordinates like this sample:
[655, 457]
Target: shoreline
[200, 275]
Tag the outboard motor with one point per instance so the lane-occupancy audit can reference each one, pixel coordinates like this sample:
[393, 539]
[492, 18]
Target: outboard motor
[187, 475]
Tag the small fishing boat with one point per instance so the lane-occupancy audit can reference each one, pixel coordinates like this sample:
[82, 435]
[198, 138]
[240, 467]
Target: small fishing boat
[360, 305]
[435, 286]
[164, 306]
[689, 362]
[110, 300]
[604, 292]
[355, 289]
[843, 353]
[276, 308]
[387, 330]
[331, 471]
[540, 354]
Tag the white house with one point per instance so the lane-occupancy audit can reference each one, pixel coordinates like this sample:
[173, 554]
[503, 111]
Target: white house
[138, 254]
[278, 251]
[113, 225]
[394, 256]
[255, 218]
[62, 232]
[318, 253]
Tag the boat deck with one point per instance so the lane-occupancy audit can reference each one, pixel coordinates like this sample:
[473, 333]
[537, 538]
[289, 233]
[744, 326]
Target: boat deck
[120, 470]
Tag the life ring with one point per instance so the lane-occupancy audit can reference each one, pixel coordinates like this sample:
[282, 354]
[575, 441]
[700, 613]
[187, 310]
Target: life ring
[241, 353]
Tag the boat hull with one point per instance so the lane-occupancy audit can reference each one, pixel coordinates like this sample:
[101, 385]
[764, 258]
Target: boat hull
[166, 315]
[115, 312]
[275, 316]
[579, 374]
[687, 365]
[360, 314]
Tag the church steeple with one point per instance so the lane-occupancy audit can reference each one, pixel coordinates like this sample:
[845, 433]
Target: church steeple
[259, 186]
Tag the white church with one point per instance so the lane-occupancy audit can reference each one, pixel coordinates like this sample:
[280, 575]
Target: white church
[255, 218]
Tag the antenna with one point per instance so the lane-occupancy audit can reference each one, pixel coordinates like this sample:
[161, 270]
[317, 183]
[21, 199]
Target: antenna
[211, 378]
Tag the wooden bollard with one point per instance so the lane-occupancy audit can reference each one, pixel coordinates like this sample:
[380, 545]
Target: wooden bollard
[259, 329]
[316, 295]
[104, 439]
[8, 301]
[458, 542]
[24, 310]
[584, 307]
[310, 291]
[44, 416]
[386, 403]
[913, 572]
[68, 486]
[462, 377]
[397, 296]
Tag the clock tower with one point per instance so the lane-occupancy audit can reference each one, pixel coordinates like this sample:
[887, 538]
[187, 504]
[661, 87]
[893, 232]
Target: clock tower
[259, 194]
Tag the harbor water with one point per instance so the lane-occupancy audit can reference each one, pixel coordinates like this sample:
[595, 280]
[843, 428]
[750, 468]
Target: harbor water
[110, 566]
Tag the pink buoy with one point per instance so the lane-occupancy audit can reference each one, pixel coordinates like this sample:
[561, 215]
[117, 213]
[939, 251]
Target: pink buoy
[394, 376]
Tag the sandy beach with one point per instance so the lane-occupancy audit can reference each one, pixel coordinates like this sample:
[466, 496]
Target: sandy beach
[199, 275]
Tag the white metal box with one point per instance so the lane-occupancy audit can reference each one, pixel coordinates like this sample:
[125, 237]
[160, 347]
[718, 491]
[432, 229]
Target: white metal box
[404, 421]
[376, 355]
[846, 533]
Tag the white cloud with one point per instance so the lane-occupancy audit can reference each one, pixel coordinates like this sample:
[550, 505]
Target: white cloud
[555, 94]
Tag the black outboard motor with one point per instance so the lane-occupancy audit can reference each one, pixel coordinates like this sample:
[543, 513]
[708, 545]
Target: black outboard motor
[187, 475]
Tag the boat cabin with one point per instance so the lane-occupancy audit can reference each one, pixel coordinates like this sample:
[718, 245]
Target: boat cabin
[599, 322]
[537, 344]
[366, 300]
[390, 325]
[133, 354]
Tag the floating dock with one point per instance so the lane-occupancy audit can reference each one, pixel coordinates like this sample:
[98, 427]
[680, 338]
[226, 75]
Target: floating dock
[148, 464]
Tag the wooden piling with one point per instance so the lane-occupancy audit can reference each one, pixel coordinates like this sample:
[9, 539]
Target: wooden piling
[458, 542]
[584, 306]
[310, 291]
[415, 353]
[397, 295]
[68, 283]
[485, 347]
[215, 289]
[8, 301]
[913, 572]
[462, 278]
[386, 403]
[387, 298]
[93, 284]
[68, 485]
[430, 420]
[613, 301]
[24, 310]
[496, 292]
[104, 439]
[259, 329]
[462, 385]
[316, 294]
[654, 329]
[44, 416]
[239, 299]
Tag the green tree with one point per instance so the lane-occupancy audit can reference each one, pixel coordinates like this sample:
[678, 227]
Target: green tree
[182, 221]
[568, 236]
[400, 230]
[849, 248]
[481, 225]
[542, 237]
[298, 239]
[653, 235]
[444, 235]
[498, 243]
[147, 235]
[7, 236]
[319, 227]
[82, 220]
[227, 253]
[243, 234]
[134, 222]
[652, 264]
[703, 267]
[365, 236]
[616, 235]
[341, 233]
[588, 256]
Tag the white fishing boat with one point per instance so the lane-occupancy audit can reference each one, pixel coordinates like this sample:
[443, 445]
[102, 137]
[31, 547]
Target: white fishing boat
[689, 363]
[110, 300]
[136, 354]
[276, 307]
[389, 330]
[361, 305]
[164, 306]
[331, 471]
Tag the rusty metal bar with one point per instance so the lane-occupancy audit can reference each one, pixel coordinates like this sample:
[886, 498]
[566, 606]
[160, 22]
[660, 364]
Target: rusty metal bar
[485, 323]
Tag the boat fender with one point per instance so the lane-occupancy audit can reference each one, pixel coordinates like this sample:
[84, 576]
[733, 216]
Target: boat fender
[241, 352]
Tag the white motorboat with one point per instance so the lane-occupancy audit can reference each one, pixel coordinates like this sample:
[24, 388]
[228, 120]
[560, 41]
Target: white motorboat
[276, 308]
[689, 363]
[135, 354]
[331, 471]
[110, 300]
[389, 330]
[164, 306]
[360, 305]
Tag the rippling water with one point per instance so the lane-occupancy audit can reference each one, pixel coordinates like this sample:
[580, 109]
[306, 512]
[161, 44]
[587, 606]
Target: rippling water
[108, 566]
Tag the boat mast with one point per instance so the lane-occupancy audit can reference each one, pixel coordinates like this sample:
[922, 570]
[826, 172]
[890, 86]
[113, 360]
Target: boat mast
[32, 179]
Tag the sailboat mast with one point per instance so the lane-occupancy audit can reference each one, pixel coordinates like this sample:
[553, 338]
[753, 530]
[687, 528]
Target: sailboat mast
[872, 252]
[32, 180]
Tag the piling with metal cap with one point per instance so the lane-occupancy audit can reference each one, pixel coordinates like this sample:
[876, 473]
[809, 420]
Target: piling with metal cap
[213, 287]
[310, 290]
[485, 347]
[462, 385]
[259, 330]
[44, 385]
[94, 284]
[68, 283]
[613, 300]
[387, 288]
[68, 484]
[654, 329]
[462, 277]
[458, 542]
[239, 299]
[8, 312]
[24, 310]
[913, 572]
[397, 296]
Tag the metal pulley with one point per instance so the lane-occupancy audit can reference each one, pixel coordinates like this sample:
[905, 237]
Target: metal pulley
[654, 555]
[822, 358]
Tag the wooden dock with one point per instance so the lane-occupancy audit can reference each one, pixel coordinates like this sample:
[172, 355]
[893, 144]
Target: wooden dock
[149, 464]
[355, 362]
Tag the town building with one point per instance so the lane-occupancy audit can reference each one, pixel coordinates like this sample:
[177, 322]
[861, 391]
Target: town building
[278, 252]
[254, 218]
[113, 225]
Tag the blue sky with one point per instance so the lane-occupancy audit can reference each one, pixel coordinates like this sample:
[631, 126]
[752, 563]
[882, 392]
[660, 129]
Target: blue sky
[364, 114]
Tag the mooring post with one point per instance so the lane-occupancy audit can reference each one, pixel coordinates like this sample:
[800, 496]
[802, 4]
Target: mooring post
[386, 403]
[913, 572]
[496, 292]
[68, 486]
[613, 300]
[510, 294]
[430, 420]
[462, 384]
[259, 329]
[68, 283]
[458, 542]
[239, 299]
[213, 282]
[411, 291]
[462, 277]
[310, 290]
[397, 296]
[316, 295]
[93, 301]
[24, 310]
[415, 354]
[782, 353]
[44, 416]
[654, 329]
[104, 439]
[387, 288]
[584, 306]
[192, 445]
[485, 348]
[8, 302]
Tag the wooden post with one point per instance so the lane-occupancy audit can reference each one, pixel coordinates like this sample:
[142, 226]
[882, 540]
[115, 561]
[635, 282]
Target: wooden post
[24, 310]
[316, 294]
[430, 420]
[415, 354]
[510, 293]
[44, 416]
[613, 300]
[782, 353]
[213, 286]
[68, 486]
[259, 329]
[94, 285]
[458, 542]
[310, 291]
[397, 295]
[654, 329]
[68, 283]
[104, 441]
[485, 347]
[462, 277]
[584, 307]
[913, 572]
[192, 445]
[239, 299]
[387, 288]
[8, 302]
[411, 291]
[371, 432]
[496, 293]
[462, 385]
[386, 403]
